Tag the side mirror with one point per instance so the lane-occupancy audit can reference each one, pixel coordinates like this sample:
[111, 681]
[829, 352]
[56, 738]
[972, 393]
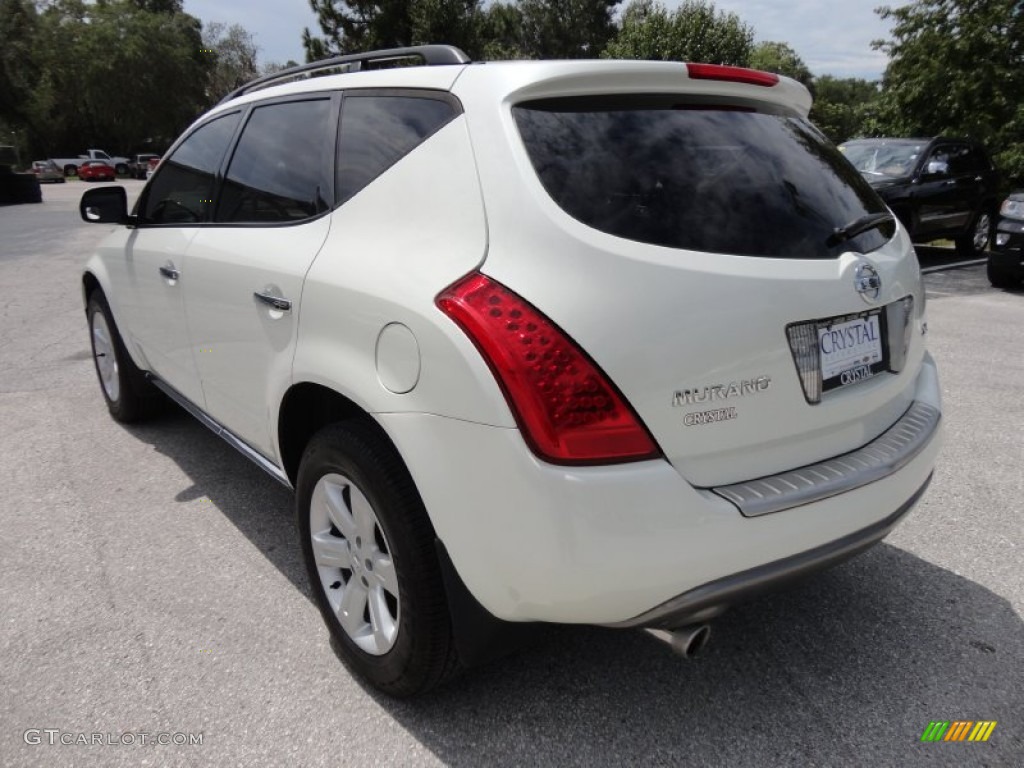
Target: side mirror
[106, 205]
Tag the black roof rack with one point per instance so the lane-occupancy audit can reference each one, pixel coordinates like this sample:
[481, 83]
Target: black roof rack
[431, 55]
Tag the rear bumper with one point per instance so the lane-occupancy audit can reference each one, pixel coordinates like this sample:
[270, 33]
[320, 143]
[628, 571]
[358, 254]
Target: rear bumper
[710, 600]
[629, 544]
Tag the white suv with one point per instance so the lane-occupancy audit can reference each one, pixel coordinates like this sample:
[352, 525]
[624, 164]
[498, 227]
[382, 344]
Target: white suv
[596, 342]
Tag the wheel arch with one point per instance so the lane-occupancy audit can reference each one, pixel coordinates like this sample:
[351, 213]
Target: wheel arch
[480, 637]
[305, 409]
[90, 283]
[95, 278]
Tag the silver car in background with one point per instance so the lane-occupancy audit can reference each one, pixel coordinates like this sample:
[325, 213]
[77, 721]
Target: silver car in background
[47, 170]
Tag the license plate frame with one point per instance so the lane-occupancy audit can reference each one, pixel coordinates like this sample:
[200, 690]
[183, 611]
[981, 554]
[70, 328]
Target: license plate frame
[844, 369]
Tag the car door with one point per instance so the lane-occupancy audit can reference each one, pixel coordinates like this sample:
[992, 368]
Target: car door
[170, 211]
[941, 204]
[967, 168]
[247, 268]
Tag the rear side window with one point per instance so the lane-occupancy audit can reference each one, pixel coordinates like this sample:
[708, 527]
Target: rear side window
[379, 130]
[720, 179]
[182, 191]
[282, 169]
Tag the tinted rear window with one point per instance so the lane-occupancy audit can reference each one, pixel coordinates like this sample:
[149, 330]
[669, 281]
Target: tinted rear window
[699, 177]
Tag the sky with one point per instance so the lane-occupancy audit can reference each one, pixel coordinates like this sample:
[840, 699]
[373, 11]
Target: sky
[833, 38]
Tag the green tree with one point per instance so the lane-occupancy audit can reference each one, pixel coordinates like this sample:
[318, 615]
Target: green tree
[109, 74]
[19, 72]
[781, 59]
[453, 22]
[232, 54]
[169, 7]
[566, 29]
[843, 107]
[501, 32]
[351, 26]
[142, 73]
[695, 31]
[956, 67]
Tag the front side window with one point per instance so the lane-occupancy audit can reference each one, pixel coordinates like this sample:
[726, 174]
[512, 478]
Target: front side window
[182, 191]
[283, 167]
[939, 162]
[711, 178]
[378, 131]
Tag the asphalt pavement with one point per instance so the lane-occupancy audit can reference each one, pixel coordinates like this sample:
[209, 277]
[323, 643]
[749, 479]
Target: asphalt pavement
[151, 583]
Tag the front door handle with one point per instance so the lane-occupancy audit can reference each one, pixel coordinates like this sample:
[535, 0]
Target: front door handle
[276, 302]
[168, 271]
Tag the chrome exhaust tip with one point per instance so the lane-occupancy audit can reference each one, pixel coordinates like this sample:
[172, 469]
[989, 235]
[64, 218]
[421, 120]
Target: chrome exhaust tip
[685, 641]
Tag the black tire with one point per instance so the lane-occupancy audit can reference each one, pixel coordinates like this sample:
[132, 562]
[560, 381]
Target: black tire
[1001, 276]
[978, 238]
[422, 652]
[134, 398]
[70, 170]
[121, 169]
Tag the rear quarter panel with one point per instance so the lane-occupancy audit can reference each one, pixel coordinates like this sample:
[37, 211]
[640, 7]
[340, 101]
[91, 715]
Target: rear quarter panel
[392, 248]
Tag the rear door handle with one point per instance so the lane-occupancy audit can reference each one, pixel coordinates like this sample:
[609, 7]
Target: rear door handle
[168, 271]
[276, 302]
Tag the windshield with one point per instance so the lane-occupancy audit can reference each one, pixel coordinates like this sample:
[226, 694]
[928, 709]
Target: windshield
[882, 160]
[713, 178]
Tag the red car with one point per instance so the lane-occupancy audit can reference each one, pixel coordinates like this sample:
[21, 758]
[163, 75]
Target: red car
[96, 170]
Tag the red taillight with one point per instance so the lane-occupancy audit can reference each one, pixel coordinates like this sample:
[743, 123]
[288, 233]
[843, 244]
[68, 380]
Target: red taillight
[567, 410]
[731, 74]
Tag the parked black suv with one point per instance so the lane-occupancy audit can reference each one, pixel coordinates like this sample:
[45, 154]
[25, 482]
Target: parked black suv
[939, 188]
[1006, 261]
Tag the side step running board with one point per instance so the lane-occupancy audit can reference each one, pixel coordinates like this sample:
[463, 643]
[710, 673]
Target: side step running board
[223, 432]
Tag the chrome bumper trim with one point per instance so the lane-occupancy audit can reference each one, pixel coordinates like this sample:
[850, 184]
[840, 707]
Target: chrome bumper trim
[883, 456]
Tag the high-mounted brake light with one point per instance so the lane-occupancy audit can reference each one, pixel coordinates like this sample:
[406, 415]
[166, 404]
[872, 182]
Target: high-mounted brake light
[731, 74]
[567, 410]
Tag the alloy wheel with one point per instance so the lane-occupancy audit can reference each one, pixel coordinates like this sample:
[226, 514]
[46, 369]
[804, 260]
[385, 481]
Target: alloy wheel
[982, 232]
[353, 561]
[105, 357]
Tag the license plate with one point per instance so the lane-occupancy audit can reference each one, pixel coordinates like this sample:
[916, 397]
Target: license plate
[851, 350]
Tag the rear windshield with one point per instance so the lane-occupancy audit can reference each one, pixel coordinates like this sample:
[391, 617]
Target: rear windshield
[721, 179]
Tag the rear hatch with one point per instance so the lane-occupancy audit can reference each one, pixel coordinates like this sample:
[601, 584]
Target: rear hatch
[730, 272]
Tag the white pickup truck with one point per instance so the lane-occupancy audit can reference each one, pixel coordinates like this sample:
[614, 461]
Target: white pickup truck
[70, 164]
